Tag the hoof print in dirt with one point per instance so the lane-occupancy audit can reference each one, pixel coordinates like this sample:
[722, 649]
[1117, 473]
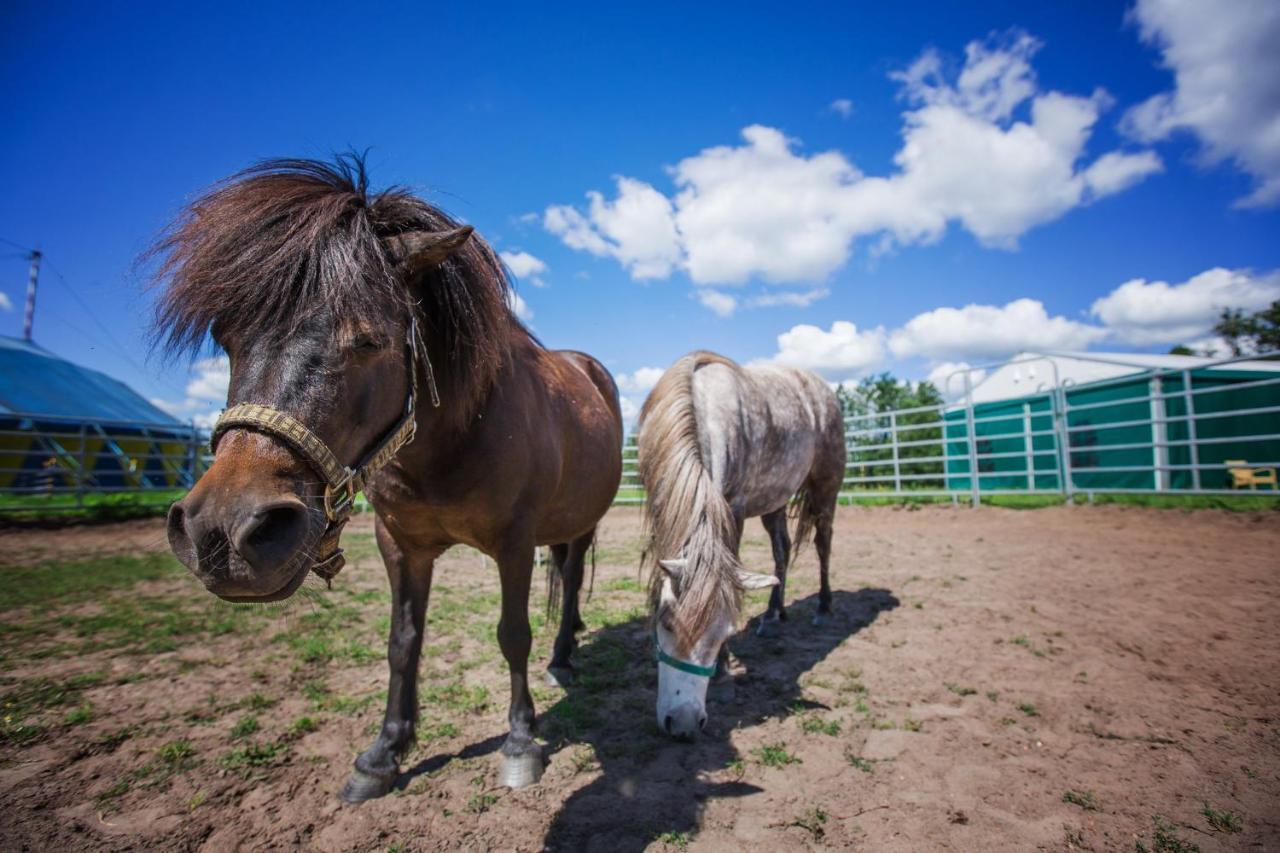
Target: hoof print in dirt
[363, 786]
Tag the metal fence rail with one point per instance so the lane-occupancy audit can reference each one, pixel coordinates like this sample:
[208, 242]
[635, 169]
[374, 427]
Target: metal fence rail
[1170, 437]
[52, 463]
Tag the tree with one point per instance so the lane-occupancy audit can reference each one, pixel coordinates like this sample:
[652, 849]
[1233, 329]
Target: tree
[1250, 333]
[870, 402]
[1182, 349]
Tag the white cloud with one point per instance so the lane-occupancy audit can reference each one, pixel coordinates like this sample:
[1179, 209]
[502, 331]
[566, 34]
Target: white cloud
[842, 107]
[721, 303]
[206, 392]
[5, 303]
[1226, 68]
[521, 308]
[636, 228]
[796, 298]
[639, 382]
[990, 332]
[630, 409]
[1142, 312]
[841, 350]
[525, 266]
[765, 210]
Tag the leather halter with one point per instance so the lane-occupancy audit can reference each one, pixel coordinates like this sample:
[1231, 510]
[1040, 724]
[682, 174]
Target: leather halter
[342, 483]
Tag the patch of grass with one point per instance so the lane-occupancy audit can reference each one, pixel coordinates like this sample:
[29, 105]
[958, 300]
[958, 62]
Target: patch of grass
[813, 821]
[671, 838]
[812, 724]
[1028, 708]
[303, 725]
[176, 756]
[84, 580]
[255, 755]
[258, 702]
[1084, 799]
[960, 690]
[456, 697]
[245, 726]
[79, 715]
[858, 761]
[1025, 641]
[1166, 840]
[29, 699]
[912, 725]
[583, 759]
[1223, 821]
[481, 802]
[775, 755]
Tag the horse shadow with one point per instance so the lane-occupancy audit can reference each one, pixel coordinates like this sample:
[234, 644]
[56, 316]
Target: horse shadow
[647, 786]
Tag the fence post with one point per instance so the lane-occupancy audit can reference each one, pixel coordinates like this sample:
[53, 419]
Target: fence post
[975, 496]
[80, 474]
[893, 434]
[1062, 422]
[1191, 429]
[1028, 447]
[1159, 436]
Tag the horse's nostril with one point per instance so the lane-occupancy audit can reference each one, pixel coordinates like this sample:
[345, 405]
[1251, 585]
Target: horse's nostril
[269, 537]
[702, 723]
[668, 723]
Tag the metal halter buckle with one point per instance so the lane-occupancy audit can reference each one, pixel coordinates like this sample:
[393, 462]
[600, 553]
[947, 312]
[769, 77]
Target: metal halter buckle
[347, 486]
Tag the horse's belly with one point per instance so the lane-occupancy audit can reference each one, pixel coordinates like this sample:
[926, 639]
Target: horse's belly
[772, 481]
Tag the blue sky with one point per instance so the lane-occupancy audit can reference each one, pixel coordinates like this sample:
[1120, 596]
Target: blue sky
[903, 186]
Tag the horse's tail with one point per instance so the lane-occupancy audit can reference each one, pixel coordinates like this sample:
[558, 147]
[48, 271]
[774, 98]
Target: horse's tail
[806, 512]
[686, 515]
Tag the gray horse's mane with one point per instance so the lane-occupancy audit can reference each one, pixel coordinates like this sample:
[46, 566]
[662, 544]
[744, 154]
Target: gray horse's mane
[686, 514]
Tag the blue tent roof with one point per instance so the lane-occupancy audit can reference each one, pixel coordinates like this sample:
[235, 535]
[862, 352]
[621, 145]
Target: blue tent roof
[34, 381]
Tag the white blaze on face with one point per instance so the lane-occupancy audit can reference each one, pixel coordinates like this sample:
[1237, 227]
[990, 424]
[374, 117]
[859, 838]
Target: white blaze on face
[682, 696]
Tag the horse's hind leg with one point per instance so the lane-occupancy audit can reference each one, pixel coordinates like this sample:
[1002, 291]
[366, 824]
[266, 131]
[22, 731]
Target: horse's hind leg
[822, 532]
[521, 755]
[776, 524]
[570, 560]
[410, 575]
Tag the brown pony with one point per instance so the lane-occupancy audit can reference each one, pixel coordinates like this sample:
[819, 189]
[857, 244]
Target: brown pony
[338, 308]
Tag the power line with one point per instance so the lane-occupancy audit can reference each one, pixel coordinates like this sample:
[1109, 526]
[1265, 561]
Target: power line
[110, 338]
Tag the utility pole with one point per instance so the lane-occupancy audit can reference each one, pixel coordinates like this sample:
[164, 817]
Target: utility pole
[33, 276]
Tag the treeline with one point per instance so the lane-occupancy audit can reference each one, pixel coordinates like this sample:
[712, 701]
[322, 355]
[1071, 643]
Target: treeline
[869, 403]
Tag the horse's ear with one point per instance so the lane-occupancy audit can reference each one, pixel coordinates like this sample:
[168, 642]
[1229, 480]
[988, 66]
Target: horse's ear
[673, 568]
[755, 580]
[416, 251]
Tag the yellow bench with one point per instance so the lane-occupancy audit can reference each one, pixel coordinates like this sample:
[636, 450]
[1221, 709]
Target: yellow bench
[1242, 476]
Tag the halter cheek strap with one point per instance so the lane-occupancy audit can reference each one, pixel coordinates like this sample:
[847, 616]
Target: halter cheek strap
[342, 483]
[676, 663]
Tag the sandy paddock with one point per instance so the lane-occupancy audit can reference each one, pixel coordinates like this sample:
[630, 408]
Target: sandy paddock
[993, 680]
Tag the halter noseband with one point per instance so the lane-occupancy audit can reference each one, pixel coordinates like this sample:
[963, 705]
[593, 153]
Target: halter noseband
[676, 663]
[342, 483]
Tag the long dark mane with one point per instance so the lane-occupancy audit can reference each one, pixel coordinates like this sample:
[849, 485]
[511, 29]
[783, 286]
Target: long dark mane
[256, 253]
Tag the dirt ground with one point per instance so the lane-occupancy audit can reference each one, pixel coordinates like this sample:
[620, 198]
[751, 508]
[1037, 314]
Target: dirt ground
[1098, 678]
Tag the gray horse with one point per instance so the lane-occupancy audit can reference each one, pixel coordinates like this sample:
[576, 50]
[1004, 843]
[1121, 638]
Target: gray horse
[720, 443]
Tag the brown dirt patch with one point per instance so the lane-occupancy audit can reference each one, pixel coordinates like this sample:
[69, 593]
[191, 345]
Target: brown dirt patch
[981, 665]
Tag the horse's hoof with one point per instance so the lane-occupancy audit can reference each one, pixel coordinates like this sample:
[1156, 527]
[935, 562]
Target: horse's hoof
[559, 676]
[769, 628]
[363, 786]
[521, 771]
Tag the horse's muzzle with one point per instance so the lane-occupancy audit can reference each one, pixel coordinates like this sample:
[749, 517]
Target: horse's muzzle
[251, 549]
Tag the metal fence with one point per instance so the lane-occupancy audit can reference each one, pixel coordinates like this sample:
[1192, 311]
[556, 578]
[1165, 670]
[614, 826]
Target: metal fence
[50, 463]
[1168, 437]
[1068, 440]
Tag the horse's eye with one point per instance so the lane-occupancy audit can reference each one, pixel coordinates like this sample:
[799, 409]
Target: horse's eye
[366, 343]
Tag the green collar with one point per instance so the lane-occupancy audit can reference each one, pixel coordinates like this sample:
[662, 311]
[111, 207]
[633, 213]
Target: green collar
[675, 663]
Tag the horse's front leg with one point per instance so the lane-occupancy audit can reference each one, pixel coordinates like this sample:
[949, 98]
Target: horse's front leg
[410, 575]
[521, 755]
